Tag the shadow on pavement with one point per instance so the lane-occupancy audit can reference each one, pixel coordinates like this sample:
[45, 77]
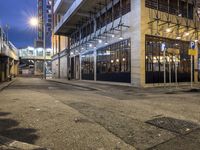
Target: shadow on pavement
[9, 129]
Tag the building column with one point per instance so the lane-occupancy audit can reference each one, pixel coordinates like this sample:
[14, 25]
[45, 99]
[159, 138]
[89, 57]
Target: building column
[80, 67]
[196, 65]
[1, 69]
[7, 68]
[59, 49]
[35, 67]
[138, 29]
[95, 66]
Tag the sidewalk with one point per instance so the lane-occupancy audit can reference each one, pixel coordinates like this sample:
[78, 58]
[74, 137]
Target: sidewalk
[105, 86]
[3, 85]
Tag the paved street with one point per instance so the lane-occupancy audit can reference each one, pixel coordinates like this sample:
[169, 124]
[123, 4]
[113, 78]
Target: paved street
[99, 117]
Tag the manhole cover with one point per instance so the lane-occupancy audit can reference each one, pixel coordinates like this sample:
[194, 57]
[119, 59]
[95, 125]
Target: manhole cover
[174, 125]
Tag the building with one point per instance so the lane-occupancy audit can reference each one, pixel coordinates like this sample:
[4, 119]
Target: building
[139, 42]
[32, 61]
[8, 58]
[45, 8]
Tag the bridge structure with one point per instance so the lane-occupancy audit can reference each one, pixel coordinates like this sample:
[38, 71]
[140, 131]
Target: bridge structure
[32, 60]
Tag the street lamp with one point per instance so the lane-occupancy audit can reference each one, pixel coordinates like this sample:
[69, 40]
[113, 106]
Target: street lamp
[35, 23]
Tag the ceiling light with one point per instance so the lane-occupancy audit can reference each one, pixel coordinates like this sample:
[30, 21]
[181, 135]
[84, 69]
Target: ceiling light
[187, 33]
[100, 41]
[178, 37]
[121, 38]
[168, 30]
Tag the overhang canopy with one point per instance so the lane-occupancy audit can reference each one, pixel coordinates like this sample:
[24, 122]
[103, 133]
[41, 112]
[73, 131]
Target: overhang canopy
[76, 14]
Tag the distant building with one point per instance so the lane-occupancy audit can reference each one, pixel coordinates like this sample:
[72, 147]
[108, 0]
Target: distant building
[45, 8]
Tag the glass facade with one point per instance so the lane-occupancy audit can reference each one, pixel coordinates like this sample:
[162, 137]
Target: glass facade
[113, 62]
[87, 66]
[154, 60]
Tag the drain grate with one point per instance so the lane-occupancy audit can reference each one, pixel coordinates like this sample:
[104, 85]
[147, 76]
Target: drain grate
[173, 125]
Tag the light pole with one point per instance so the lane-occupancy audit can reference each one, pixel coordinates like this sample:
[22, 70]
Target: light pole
[35, 23]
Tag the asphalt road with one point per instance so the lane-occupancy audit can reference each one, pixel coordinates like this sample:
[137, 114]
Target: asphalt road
[65, 117]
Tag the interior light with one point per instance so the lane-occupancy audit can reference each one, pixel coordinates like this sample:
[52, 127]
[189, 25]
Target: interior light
[178, 37]
[106, 43]
[112, 61]
[90, 45]
[121, 38]
[100, 41]
[187, 33]
[113, 35]
[168, 30]
[117, 60]
[124, 59]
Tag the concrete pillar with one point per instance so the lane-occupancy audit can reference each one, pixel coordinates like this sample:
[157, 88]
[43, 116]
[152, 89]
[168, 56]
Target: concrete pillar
[138, 29]
[196, 65]
[80, 67]
[35, 67]
[135, 42]
[95, 66]
[16, 66]
[59, 49]
[1, 63]
[7, 68]
[12, 66]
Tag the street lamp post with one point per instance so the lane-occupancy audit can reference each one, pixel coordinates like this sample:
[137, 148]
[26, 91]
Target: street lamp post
[34, 22]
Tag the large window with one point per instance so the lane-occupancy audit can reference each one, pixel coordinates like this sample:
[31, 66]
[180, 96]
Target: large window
[174, 7]
[113, 62]
[154, 60]
[87, 66]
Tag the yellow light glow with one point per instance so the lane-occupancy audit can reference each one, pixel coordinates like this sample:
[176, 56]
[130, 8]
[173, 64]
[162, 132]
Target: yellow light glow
[187, 33]
[33, 22]
[168, 30]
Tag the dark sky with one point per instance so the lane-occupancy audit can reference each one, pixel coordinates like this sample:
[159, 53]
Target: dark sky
[16, 14]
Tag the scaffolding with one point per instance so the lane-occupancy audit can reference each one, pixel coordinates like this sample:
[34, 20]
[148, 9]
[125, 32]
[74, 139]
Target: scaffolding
[95, 29]
[174, 22]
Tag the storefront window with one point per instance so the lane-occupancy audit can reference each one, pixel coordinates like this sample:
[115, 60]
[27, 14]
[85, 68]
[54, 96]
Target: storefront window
[154, 60]
[113, 62]
[87, 66]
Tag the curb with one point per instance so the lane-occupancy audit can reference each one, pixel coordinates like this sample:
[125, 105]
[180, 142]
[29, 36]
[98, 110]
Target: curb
[9, 144]
[6, 84]
[72, 84]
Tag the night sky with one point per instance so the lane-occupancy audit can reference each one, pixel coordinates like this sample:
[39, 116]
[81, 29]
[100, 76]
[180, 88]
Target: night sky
[16, 14]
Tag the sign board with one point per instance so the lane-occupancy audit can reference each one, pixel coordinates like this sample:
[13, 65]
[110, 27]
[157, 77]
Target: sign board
[192, 52]
[192, 45]
[173, 51]
[163, 47]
